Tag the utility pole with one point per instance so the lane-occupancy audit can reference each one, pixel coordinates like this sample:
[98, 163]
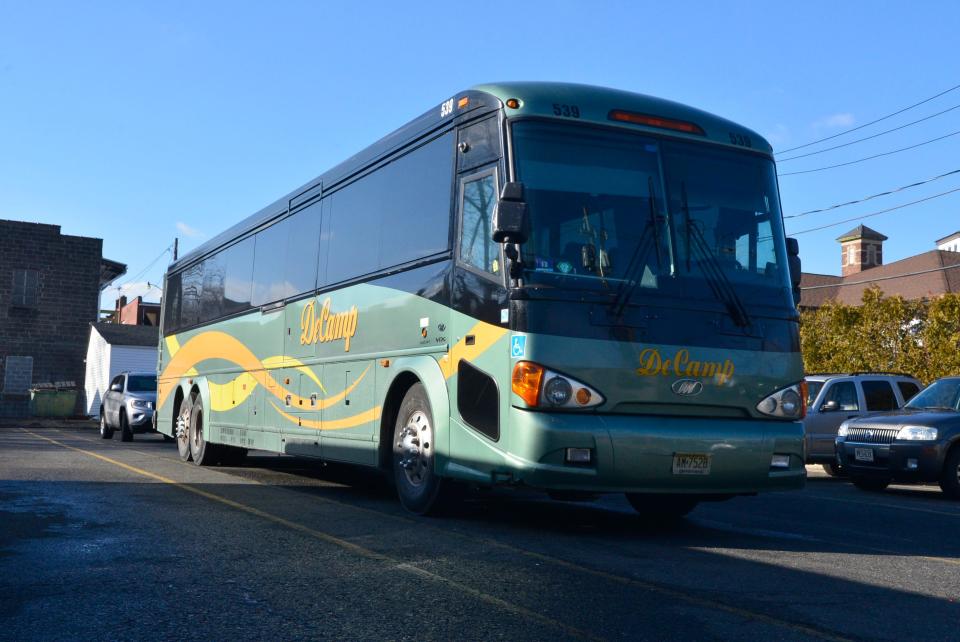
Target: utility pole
[176, 244]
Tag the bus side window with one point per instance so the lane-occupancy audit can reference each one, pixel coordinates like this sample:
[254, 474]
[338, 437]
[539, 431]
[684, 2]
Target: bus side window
[478, 195]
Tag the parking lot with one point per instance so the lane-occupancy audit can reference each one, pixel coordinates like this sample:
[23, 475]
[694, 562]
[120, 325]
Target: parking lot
[109, 540]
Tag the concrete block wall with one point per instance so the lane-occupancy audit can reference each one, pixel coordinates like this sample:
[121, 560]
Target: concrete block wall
[55, 331]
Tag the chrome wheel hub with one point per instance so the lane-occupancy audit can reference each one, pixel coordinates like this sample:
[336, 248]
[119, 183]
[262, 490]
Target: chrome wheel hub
[183, 426]
[416, 447]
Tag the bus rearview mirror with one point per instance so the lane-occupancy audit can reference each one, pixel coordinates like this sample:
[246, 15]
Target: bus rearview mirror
[510, 215]
[793, 263]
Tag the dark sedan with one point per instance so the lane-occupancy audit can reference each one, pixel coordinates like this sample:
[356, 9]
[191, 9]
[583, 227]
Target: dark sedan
[918, 443]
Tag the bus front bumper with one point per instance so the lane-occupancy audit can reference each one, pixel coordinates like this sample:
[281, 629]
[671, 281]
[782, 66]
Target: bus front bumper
[651, 454]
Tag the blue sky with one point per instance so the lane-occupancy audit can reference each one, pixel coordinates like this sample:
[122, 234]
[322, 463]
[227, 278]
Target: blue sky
[138, 122]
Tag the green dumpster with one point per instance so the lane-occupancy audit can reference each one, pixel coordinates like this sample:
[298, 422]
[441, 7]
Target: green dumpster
[52, 403]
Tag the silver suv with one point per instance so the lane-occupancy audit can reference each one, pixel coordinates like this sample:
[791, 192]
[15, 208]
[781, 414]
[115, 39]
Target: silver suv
[834, 398]
[128, 404]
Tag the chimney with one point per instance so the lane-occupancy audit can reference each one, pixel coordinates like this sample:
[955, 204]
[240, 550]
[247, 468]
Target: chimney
[860, 249]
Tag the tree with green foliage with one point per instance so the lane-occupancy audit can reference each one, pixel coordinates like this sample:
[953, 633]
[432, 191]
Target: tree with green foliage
[886, 334]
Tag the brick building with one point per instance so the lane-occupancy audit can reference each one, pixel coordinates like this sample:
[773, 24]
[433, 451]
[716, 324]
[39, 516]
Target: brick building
[921, 276]
[136, 312]
[50, 286]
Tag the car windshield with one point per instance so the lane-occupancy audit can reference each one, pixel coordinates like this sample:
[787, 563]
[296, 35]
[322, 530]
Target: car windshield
[602, 212]
[142, 383]
[813, 389]
[942, 394]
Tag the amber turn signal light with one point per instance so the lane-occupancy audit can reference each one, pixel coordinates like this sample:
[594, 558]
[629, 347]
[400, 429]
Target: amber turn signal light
[527, 377]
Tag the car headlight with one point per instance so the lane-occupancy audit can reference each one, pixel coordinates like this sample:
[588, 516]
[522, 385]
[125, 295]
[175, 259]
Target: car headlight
[140, 403]
[844, 429]
[787, 403]
[543, 388]
[917, 433]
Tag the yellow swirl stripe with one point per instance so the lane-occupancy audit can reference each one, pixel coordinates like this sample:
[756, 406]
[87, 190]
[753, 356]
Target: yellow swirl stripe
[220, 345]
[332, 424]
[485, 335]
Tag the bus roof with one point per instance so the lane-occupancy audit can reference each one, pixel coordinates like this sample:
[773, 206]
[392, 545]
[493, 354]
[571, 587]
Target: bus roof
[536, 99]
[597, 104]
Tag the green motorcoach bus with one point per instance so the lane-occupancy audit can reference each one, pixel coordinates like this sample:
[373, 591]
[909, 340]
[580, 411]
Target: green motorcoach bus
[555, 286]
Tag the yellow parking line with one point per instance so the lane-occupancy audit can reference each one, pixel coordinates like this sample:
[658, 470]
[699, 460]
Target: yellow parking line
[342, 543]
[573, 566]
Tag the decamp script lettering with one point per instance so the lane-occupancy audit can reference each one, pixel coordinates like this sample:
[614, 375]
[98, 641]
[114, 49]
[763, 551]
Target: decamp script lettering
[324, 326]
[652, 364]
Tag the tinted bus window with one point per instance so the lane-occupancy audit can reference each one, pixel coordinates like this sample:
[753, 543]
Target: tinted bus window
[238, 260]
[211, 294]
[303, 241]
[398, 213]
[268, 264]
[191, 284]
[171, 313]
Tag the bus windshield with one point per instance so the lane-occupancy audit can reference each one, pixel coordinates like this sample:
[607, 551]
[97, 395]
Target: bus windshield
[613, 210]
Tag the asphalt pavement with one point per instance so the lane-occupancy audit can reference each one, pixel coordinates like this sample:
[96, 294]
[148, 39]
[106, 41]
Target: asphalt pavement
[103, 540]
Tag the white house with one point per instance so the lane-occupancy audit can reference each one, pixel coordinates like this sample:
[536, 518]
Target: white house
[114, 348]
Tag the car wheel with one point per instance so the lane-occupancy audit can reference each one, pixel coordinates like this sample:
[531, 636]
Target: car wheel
[126, 434]
[106, 432]
[950, 477]
[203, 453]
[182, 431]
[418, 485]
[873, 484]
[833, 470]
[661, 508]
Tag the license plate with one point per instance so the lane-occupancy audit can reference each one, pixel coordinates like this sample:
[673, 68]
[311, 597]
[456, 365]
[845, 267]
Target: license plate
[863, 454]
[691, 464]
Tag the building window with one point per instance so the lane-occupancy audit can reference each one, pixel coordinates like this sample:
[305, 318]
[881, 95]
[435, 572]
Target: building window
[26, 287]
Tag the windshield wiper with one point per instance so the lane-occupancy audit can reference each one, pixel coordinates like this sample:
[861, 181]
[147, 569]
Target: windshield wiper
[708, 264]
[630, 276]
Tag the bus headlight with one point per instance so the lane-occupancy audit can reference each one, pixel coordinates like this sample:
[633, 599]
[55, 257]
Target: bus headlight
[543, 388]
[787, 403]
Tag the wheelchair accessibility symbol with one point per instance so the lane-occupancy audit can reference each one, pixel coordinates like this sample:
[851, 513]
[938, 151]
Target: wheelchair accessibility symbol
[518, 346]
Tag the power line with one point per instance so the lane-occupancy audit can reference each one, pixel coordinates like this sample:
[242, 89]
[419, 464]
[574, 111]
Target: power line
[860, 160]
[863, 216]
[873, 196]
[881, 278]
[872, 122]
[860, 140]
[144, 270]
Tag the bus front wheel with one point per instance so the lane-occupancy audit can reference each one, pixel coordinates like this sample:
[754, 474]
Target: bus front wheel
[661, 508]
[418, 485]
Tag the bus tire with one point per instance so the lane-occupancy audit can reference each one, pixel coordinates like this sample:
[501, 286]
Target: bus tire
[202, 452]
[106, 432]
[181, 430]
[661, 508]
[126, 434]
[418, 485]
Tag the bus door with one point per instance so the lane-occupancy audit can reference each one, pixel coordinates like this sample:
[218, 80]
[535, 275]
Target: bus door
[481, 311]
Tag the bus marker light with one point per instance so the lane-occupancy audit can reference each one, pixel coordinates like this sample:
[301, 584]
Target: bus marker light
[463, 102]
[513, 103]
[583, 396]
[579, 455]
[385, 363]
[656, 121]
[780, 461]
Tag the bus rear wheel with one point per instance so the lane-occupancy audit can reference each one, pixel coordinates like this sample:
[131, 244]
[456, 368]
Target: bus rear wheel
[202, 452]
[661, 508]
[182, 430]
[418, 485]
